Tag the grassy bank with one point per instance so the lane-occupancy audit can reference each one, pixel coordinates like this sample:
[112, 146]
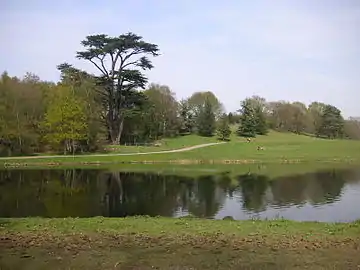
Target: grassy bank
[277, 148]
[195, 170]
[164, 243]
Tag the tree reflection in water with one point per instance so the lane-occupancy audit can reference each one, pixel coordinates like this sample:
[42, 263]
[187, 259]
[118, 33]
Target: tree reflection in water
[84, 193]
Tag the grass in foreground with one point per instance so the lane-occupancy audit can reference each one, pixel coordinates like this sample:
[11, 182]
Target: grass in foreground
[278, 148]
[164, 243]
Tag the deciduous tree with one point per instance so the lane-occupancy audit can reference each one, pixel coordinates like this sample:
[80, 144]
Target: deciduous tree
[289, 117]
[352, 129]
[84, 86]
[21, 110]
[65, 122]
[197, 101]
[164, 110]
[316, 110]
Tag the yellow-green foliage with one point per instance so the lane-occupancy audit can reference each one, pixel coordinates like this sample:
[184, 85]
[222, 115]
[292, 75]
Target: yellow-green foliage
[65, 119]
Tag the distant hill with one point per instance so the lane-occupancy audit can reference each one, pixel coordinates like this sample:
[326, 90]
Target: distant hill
[355, 118]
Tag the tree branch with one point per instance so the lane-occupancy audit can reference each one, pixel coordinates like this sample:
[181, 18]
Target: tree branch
[114, 61]
[122, 66]
[137, 51]
[130, 63]
[102, 64]
[99, 68]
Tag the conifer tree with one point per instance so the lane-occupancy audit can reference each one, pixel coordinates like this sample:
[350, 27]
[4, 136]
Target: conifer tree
[248, 120]
[261, 124]
[206, 120]
[223, 130]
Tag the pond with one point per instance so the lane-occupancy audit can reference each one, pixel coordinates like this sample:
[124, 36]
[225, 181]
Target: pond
[330, 196]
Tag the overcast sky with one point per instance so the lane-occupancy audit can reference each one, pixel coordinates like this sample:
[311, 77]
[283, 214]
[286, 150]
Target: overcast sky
[282, 50]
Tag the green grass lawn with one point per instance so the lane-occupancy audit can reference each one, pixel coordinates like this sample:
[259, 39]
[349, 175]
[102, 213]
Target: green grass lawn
[185, 243]
[278, 148]
[165, 144]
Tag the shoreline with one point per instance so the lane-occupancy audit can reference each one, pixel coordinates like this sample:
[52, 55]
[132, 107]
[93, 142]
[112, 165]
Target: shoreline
[99, 163]
[188, 224]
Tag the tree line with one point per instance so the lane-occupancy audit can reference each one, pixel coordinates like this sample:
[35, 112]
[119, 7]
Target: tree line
[84, 111]
[257, 116]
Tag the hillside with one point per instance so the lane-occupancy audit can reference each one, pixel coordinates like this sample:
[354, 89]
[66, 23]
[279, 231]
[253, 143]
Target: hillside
[162, 145]
[274, 148]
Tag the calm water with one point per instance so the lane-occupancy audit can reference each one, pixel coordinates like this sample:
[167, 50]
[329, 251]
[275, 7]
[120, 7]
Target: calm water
[323, 196]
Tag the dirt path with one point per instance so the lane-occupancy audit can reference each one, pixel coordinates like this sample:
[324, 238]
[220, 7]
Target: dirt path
[117, 154]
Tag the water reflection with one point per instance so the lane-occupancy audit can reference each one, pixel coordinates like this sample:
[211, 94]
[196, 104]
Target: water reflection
[324, 196]
[253, 190]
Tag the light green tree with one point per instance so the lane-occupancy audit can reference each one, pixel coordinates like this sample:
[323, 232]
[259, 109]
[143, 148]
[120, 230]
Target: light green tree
[65, 120]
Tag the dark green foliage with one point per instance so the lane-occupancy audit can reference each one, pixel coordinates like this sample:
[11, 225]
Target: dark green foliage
[332, 123]
[206, 120]
[187, 119]
[261, 123]
[253, 120]
[315, 111]
[156, 117]
[248, 120]
[223, 129]
[126, 56]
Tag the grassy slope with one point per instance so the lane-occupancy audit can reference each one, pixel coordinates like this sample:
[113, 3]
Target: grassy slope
[279, 147]
[165, 243]
[166, 144]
